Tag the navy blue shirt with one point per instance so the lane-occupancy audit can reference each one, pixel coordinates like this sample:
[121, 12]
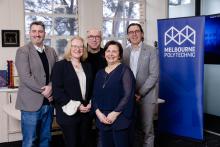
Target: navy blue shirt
[115, 91]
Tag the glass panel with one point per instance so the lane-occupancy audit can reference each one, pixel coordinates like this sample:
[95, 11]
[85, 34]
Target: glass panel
[185, 1]
[132, 21]
[178, 2]
[45, 19]
[65, 7]
[38, 6]
[118, 28]
[120, 41]
[62, 26]
[174, 2]
[133, 10]
[113, 8]
[47, 42]
[113, 28]
[178, 8]
[60, 46]
[65, 26]
[210, 7]
[107, 28]
[104, 41]
[118, 14]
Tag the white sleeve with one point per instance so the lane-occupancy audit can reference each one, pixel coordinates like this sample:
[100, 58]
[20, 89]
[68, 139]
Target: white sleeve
[71, 107]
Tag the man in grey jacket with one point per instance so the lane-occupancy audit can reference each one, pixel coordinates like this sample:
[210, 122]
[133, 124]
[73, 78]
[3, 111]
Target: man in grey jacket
[34, 63]
[143, 61]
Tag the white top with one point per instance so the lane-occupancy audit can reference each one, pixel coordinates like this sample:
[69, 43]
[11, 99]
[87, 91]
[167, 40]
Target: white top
[71, 107]
[82, 80]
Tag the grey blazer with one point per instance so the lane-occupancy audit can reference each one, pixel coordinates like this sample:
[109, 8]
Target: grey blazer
[147, 72]
[32, 76]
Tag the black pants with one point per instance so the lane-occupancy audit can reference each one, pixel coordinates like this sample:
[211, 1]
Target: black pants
[117, 138]
[78, 133]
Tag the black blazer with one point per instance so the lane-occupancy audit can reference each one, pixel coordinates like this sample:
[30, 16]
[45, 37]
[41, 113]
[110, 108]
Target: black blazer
[66, 86]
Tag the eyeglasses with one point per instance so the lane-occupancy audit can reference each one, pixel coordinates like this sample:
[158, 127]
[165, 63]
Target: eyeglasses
[94, 37]
[77, 47]
[134, 32]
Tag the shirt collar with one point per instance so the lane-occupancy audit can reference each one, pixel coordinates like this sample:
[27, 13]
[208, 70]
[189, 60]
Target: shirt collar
[39, 49]
[137, 49]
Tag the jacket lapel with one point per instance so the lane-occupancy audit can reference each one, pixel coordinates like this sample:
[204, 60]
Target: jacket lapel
[48, 58]
[141, 58]
[127, 56]
[71, 69]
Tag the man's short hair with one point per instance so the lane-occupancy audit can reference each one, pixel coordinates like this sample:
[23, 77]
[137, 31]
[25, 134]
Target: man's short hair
[37, 23]
[136, 24]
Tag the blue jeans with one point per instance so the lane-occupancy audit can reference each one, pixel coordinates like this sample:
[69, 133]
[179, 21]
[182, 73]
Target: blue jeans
[36, 127]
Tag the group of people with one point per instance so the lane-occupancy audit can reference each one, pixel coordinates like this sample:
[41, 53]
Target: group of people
[118, 87]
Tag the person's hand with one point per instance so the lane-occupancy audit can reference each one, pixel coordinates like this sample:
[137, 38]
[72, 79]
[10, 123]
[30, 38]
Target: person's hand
[112, 116]
[88, 107]
[102, 117]
[137, 97]
[47, 91]
[83, 109]
[50, 99]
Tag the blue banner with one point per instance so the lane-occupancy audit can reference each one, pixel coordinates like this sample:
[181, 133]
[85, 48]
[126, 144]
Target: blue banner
[181, 76]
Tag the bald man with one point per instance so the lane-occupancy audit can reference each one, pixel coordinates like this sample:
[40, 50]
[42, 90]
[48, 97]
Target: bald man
[95, 52]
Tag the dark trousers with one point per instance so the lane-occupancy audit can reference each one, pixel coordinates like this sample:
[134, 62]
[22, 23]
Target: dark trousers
[77, 134]
[115, 138]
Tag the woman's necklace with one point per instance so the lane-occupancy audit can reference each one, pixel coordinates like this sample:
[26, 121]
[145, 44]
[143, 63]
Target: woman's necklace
[109, 72]
[106, 79]
[76, 65]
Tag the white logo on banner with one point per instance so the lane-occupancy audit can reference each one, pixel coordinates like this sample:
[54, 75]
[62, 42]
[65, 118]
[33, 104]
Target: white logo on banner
[179, 37]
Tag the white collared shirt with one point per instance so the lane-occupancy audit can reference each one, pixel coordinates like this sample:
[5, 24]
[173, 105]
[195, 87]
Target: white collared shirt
[134, 56]
[39, 49]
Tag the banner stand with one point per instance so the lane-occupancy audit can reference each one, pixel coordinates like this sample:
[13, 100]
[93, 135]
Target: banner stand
[181, 53]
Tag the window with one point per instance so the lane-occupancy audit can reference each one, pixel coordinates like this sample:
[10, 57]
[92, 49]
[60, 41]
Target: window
[118, 14]
[181, 8]
[179, 2]
[59, 16]
[210, 7]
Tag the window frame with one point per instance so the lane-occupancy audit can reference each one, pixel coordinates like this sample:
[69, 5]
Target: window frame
[142, 21]
[53, 37]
